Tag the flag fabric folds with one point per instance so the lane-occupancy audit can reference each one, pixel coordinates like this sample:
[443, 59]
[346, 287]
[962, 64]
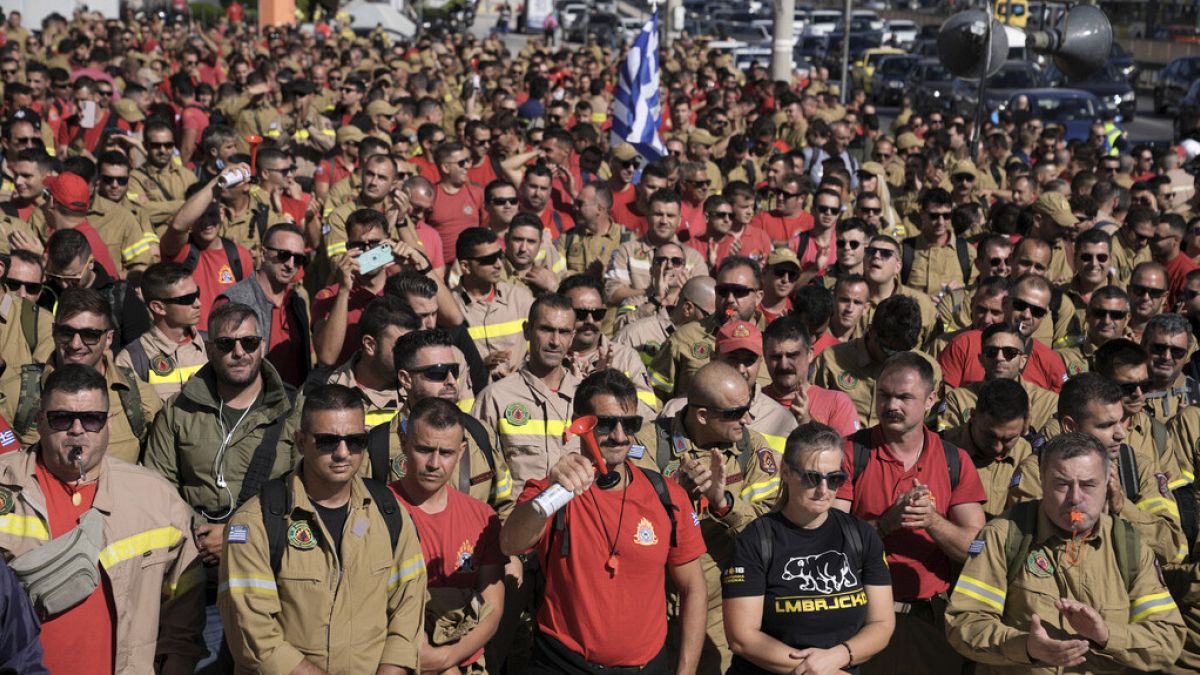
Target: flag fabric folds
[637, 112]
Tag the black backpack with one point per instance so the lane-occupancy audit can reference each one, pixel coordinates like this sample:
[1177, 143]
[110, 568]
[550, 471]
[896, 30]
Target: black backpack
[851, 536]
[377, 450]
[862, 456]
[231, 253]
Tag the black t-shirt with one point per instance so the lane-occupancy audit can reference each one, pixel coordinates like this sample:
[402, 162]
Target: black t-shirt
[813, 591]
[335, 522]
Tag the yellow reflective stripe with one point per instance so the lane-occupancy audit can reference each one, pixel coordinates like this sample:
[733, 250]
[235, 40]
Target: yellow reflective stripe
[759, 491]
[661, 381]
[139, 247]
[651, 400]
[179, 375]
[1179, 482]
[502, 487]
[378, 417]
[409, 569]
[187, 581]
[496, 330]
[559, 265]
[328, 132]
[251, 584]
[776, 442]
[24, 526]
[336, 248]
[625, 309]
[1158, 505]
[985, 593]
[139, 544]
[533, 428]
[300, 134]
[1150, 604]
[647, 359]
[465, 404]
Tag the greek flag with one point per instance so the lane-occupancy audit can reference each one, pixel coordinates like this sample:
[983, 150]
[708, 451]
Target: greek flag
[637, 112]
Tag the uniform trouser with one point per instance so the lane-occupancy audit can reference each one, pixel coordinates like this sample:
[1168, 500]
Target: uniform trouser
[919, 645]
[715, 656]
[551, 657]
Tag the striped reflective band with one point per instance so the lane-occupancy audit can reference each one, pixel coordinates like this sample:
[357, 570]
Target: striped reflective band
[1150, 604]
[776, 442]
[187, 581]
[661, 381]
[139, 247]
[496, 330]
[24, 526]
[335, 248]
[533, 428]
[1158, 505]
[755, 492]
[502, 486]
[377, 417]
[559, 265]
[409, 569]
[179, 375]
[264, 585]
[985, 593]
[139, 544]
[651, 400]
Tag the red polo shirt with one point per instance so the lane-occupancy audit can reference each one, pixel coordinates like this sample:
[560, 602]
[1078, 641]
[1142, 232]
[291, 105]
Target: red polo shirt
[331, 171]
[919, 568]
[755, 244]
[483, 174]
[453, 213]
[960, 363]
[691, 221]
[360, 297]
[285, 351]
[214, 275]
[781, 228]
[630, 217]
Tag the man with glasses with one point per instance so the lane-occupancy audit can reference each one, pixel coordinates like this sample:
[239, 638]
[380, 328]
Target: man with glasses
[73, 137]
[699, 149]
[1130, 244]
[117, 225]
[696, 184]
[1105, 318]
[869, 207]
[429, 137]
[279, 199]
[1024, 308]
[281, 304]
[167, 355]
[633, 213]
[161, 183]
[590, 245]
[24, 277]
[693, 301]
[937, 261]
[788, 216]
[1092, 271]
[882, 265]
[1143, 164]
[370, 621]
[457, 203]
[1168, 340]
[885, 153]
[494, 309]
[71, 480]
[725, 234]
[781, 277]
[379, 191]
[1166, 248]
[1147, 296]
[994, 258]
[851, 249]
[629, 272]
[1033, 256]
[623, 163]
[815, 249]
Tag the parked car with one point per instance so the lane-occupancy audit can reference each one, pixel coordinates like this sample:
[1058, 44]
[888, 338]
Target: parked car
[891, 78]
[1013, 77]
[1123, 61]
[1174, 80]
[863, 68]
[1189, 111]
[931, 85]
[1076, 110]
[1115, 92]
[821, 22]
[1178, 33]
[900, 32]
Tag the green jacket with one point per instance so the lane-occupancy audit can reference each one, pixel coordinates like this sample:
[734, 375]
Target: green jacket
[188, 436]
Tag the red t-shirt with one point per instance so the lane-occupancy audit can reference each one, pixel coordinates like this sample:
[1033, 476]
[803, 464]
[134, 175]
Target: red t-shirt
[960, 365]
[1177, 271]
[426, 168]
[360, 297]
[453, 213]
[295, 207]
[919, 568]
[331, 171]
[99, 249]
[556, 221]
[691, 221]
[431, 245]
[827, 406]
[457, 542]
[826, 340]
[779, 228]
[213, 275]
[755, 245]
[811, 255]
[621, 619]
[624, 198]
[285, 351]
[195, 117]
[79, 640]
[483, 174]
[629, 217]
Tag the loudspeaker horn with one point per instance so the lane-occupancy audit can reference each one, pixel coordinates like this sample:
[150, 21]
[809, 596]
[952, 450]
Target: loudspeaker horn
[1080, 44]
[962, 44]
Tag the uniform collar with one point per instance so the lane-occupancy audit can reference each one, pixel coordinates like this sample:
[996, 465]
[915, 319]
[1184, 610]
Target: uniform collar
[566, 390]
[1047, 533]
[359, 497]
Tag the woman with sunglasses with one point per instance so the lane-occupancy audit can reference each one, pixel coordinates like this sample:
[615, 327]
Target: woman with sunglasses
[808, 590]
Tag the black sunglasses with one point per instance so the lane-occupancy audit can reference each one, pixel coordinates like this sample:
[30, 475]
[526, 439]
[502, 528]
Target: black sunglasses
[630, 163]
[328, 443]
[663, 259]
[1113, 314]
[885, 253]
[362, 245]
[185, 300]
[998, 261]
[1131, 388]
[31, 287]
[63, 420]
[737, 290]
[784, 194]
[249, 343]
[722, 215]
[812, 479]
[729, 414]
[992, 351]
[89, 336]
[871, 210]
[1020, 306]
[1138, 290]
[282, 256]
[1161, 348]
[938, 215]
[436, 372]
[851, 244]
[582, 314]
[168, 144]
[607, 424]
[788, 271]
[829, 210]
[115, 180]
[489, 259]
[1101, 258]
[505, 201]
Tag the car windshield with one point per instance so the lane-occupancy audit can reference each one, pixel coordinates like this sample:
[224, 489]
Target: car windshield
[1064, 109]
[898, 66]
[1013, 78]
[936, 72]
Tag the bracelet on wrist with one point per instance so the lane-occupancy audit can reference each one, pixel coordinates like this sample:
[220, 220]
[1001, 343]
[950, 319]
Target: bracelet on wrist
[850, 653]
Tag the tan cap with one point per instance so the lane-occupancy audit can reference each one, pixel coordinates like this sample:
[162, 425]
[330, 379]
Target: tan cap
[781, 256]
[1056, 206]
[873, 168]
[148, 75]
[702, 137]
[350, 134]
[381, 107]
[964, 166]
[624, 152]
[128, 110]
[909, 140]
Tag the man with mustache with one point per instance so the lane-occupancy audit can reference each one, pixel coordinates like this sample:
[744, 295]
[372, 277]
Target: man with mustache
[787, 348]
[1105, 319]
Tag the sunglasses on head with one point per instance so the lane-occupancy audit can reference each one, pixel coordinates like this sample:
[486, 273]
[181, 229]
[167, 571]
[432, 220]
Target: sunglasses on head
[885, 253]
[992, 351]
[504, 201]
[582, 314]
[489, 259]
[249, 343]
[89, 336]
[1035, 311]
[728, 414]
[1111, 314]
[282, 256]
[1161, 349]
[436, 372]
[607, 424]
[675, 261]
[31, 287]
[1130, 388]
[329, 443]
[1140, 290]
[812, 479]
[62, 420]
[737, 290]
[185, 300]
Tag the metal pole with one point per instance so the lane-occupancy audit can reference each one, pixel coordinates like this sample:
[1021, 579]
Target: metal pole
[784, 37]
[980, 104]
[846, 51]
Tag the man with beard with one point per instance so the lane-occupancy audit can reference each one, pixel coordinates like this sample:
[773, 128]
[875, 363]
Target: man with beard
[161, 184]
[536, 190]
[1147, 291]
[127, 242]
[1025, 307]
[591, 244]
[738, 295]
[1168, 339]
[530, 257]
[370, 369]
[1105, 319]
[221, 437]
[993, 260]
[628, 273]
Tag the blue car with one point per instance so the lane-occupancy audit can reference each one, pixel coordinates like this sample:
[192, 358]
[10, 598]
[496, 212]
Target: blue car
[1074, 109]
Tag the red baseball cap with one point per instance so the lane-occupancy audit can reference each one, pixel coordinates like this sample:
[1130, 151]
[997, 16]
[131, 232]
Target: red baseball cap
[70, 192]
[736, 335]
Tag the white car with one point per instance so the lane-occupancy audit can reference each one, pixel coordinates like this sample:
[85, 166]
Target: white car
[821, 22]
[900, 32]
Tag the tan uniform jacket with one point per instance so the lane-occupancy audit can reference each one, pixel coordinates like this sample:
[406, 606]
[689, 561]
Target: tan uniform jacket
[1123, 259]
[929, 316]
[380, 406]
[14, 335]
[848, 368]
[1078, 358]
[630, 265]
[767, 418]
[498, 324]
[128, 244]
[163, 191]
[934, 266]
[646, 336]
[688, 349]
[248, 227]
[626, 360]
[996, 474]
[9, 225]
[148, 555]
[1184, 429]
[1184, 392]
[960, 403]
[988, 619]
[346, 611]
[583, 249]
[172, 363]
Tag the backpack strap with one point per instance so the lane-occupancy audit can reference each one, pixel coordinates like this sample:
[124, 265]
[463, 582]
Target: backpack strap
[29, 324]
[259, 471]
[1127, 546]
[908, 253]
[258, 223]
[385, 501]
[1022, 528]
[953, 462]
[745, 452]
[1056, 300]
[1128, 473]
[131, 402]
[193, 256]
[475, 428]
[377, 451]
[851, 535]
[660, 488]
[802, 243]
[275, 502]
[662, 452]
[862, 454]
[234, 257]
[139, 359]
[30, 398]
[1158, 432]
[963, 247]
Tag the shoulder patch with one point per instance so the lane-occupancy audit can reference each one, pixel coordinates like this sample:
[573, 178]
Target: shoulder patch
[238, 534]
[976, 547]
[300, 536]
[700, 350]
[162, 364]
[637, 451]
[766, 461]
[1074, 369]
[517, 414]
[847, 380]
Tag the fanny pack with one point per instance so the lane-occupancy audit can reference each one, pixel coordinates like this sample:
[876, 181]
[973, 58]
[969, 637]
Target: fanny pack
[64, 572]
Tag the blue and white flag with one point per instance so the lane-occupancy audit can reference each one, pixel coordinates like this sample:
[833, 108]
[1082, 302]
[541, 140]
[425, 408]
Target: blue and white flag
[637, 112]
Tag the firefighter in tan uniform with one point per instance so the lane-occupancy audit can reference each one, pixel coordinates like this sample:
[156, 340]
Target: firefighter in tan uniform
[881, 267]
[647, 336]
[1168, 340]
[336, 527]
[591, 244]
[25, 331]
[495, 310]
[1094, 405]
[167, 355]
[853, 367]
[1106, 318]
[1070, 589]
[993, 436]
[628, 273]
[151, 572]
[529, 410]
[160, 184]
[730, 473]
[111, 214]
[937, 263]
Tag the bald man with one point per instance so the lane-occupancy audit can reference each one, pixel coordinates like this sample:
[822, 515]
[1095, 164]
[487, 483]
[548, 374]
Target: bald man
[414, 230]
[729, 471]
[697, 299]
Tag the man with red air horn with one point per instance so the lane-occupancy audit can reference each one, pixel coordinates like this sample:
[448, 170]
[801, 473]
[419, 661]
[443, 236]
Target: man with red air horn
[606, 546]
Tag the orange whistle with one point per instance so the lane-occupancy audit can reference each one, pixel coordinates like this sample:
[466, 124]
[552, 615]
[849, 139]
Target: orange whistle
[1076, 518]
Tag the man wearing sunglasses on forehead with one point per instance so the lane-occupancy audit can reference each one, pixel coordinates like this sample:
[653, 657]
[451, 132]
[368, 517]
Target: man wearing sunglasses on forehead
[75, 482]
[1105, 318]
[167, 355]
[118, 226]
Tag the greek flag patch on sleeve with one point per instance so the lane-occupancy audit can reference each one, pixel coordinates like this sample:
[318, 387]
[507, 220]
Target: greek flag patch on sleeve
[976, 547]
[238, 534]
[637, 451]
